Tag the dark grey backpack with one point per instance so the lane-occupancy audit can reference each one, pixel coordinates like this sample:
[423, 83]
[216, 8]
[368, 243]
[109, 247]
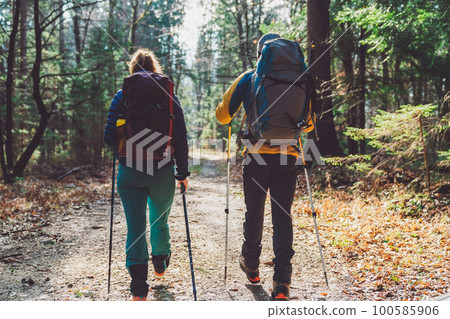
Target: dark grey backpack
[283, 93]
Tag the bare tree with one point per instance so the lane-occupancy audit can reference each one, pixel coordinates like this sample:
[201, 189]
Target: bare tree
[44, 114]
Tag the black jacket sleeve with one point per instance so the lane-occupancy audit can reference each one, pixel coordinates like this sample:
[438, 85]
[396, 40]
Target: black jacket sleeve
[180, 143]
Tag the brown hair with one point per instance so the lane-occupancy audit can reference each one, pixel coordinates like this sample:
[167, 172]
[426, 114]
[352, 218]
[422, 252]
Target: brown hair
[144, 60]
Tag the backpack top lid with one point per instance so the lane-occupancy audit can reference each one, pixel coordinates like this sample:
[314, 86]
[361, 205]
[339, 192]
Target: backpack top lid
[146, 85]
[281, 59]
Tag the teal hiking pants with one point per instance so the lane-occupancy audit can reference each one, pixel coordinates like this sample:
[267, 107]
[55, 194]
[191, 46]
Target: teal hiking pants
[137, 190]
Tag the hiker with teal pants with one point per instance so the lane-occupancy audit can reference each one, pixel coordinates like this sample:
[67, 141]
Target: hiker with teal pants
[146, 127]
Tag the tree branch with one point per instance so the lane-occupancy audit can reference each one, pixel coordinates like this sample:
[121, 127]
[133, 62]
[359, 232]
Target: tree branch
[144, 13]
[68, 74]
[60, 13]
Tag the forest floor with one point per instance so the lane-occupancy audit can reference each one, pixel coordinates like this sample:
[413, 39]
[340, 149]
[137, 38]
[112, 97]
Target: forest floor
[54, 240]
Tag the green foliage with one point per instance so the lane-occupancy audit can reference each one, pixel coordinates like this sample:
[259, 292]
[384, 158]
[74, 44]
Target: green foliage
[378, 22]
[359, 164]
[339, 161]
[397, 132]
[444, 159]
[424, 26]
[294, 30]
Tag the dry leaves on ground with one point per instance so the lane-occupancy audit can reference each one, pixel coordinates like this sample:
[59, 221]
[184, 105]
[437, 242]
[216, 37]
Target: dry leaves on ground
[387, 254]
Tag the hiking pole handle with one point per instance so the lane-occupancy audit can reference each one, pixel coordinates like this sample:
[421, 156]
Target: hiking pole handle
[182, 188]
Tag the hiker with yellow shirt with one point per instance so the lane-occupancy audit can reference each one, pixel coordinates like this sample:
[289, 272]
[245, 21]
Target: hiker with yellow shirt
[276, 100]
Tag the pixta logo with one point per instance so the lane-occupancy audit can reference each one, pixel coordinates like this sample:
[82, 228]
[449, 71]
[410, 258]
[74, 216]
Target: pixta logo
[142, 149]
[310, 151]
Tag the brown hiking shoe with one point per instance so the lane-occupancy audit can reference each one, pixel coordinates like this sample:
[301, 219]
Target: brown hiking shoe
[160, 262]
[280, 291]
[252, 275]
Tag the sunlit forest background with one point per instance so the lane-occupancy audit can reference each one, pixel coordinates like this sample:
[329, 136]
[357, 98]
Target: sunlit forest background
[61, 63]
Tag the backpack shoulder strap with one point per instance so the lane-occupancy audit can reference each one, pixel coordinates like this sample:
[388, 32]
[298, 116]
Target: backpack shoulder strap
[171, 109]
[311, 87]
[253, 108]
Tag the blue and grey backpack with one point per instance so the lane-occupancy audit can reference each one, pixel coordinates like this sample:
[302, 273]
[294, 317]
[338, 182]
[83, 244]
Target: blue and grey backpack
[282, 93]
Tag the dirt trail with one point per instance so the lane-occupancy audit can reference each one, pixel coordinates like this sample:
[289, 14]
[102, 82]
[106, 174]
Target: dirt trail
[68, 259]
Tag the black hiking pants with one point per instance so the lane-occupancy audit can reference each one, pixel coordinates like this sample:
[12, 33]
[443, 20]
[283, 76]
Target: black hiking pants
[280, 178]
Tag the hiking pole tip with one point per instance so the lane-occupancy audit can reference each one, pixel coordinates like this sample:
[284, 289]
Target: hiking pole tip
[113, 180]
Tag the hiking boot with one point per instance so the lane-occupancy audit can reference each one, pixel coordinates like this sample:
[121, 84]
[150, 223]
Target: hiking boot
[160, 262]
[252, 275]
[280, 291]
[139, 298]
[138, 286]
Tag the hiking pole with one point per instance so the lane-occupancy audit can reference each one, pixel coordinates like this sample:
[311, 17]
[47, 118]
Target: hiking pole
[111, 220]
[183, 192]
[313, 211]
[227, 199]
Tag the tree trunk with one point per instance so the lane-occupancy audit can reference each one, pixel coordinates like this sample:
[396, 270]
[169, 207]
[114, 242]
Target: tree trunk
[2, 143]
[385, 97]
[43, 113]
[76, 33]
[260, 16]
[23, 38]
[239, 13]
[62, 42]
[112, 5]
[10, 85]
[133, 27]
[362, 90]
[5, 174]
[79, 143]
[422, 70]
[346, 49]
[397, 81]
[247, 34]
[318, 32]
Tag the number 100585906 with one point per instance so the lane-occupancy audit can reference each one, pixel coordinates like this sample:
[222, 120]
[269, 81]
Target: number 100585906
[405, 310]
